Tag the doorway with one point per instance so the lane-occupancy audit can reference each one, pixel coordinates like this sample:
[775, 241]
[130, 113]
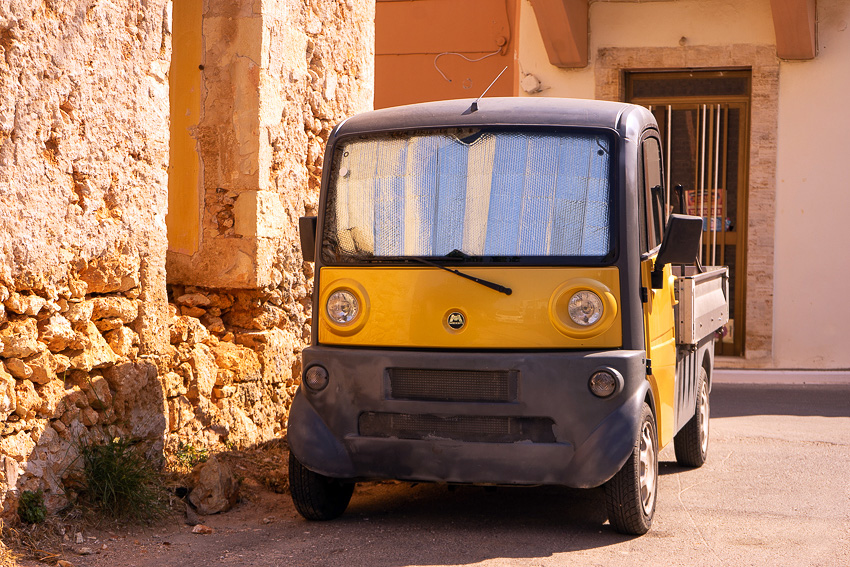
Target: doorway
[704, 117]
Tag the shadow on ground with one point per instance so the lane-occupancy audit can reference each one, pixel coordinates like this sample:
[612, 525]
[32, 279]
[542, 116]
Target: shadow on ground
[735, 400]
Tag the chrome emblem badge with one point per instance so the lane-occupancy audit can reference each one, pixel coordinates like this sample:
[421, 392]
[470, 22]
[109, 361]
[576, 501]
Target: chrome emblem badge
[456, 320]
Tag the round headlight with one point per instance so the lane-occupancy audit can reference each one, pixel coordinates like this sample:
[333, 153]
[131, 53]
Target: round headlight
[602, 384]
[316, 378]
[342, 307]
[585, 308]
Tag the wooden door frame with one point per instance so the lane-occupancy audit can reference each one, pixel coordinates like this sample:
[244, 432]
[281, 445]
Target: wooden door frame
[610, 66]
[743, 103]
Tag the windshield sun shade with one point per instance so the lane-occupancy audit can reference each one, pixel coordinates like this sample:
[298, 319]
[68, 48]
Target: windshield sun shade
[485, 193]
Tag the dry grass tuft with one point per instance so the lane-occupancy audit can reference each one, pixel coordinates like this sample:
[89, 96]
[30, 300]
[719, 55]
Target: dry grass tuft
[40, 542]
[7, 558]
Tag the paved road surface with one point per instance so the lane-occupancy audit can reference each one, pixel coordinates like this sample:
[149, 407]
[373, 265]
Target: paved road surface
[775, 492]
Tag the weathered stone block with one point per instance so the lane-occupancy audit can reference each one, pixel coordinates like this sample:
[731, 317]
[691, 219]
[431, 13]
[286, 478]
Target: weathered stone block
[120, 308]
[192, 311]
[215, 325]
[19, 339]
[122, 340]
[97, 352]
[204, 371]
[79, 311]
[27, 400]
[242, 361]
[25, 304]
[180, 413]
[17, 447]
[18, 368]
[8, 397]
[89, 417]
[215, 488]
[58, 334]
[42, 367]
[106, 325]
[193, 300]
[188, 330]
[173, 385]
[107, 274]
[52, 399]
[129, 377]
[98, 394]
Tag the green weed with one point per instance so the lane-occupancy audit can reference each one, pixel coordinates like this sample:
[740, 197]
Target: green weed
[31, 508]
[188, 455]
[119, 481]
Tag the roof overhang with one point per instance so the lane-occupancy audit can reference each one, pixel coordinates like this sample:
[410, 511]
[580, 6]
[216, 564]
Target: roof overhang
[794, 22]
[564, 28]
[563, 25]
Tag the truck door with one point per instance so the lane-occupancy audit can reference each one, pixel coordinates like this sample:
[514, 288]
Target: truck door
[658, 308]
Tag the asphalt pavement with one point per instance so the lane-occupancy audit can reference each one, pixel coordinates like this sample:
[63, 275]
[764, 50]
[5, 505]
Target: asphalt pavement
[774, 492]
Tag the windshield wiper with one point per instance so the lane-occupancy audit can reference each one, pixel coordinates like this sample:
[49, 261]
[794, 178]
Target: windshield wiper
[453, 254]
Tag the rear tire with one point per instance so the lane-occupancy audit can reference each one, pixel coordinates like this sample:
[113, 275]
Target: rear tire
[630, 496]
[317, 497]
[691, 443]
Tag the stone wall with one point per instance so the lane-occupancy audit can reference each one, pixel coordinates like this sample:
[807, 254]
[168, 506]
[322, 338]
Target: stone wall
[83, 158]
[277, 77]
[93, 343]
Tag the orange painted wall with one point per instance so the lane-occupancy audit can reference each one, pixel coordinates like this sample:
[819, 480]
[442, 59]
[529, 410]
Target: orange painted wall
[183, 219]
[417, 40]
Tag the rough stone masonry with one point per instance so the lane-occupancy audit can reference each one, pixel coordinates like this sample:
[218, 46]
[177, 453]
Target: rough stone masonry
[97, 340]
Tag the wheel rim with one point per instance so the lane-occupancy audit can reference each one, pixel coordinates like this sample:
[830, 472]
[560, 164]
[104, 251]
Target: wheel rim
[648, 468]
[703, 418]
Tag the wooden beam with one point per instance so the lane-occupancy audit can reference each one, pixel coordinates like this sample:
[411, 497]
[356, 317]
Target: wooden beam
[563, 25]
[794, 22]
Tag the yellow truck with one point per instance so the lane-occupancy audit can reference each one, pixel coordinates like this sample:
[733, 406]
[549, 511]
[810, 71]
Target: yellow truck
[502, 298]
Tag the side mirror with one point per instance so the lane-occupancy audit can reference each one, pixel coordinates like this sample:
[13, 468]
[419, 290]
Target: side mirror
[307, 232]
[681, 243]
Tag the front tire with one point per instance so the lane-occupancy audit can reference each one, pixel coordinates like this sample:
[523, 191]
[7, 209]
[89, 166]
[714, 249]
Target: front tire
[630, 496]
[317, 497]
[691, 443]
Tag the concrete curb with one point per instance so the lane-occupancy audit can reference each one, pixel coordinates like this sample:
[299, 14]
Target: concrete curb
[733, 376]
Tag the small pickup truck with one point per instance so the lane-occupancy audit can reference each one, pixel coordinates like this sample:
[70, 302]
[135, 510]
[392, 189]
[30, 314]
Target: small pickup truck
[502, 297]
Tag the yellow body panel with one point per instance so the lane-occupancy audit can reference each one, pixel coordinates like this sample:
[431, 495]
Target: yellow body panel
[660, 336]
[410, 307]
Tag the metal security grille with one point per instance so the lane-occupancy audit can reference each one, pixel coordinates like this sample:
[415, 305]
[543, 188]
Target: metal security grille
[452, 385]
[703, 117]
[481, 429]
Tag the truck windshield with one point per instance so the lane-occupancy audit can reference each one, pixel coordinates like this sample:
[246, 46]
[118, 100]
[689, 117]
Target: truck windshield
[482, 192]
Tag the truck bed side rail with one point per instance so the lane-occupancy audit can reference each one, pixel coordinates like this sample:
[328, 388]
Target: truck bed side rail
[703, 302]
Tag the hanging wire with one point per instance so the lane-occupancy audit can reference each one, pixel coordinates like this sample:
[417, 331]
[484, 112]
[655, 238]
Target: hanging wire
[463, 56]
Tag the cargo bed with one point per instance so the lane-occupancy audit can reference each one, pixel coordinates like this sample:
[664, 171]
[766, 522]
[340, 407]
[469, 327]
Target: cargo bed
[703, 301]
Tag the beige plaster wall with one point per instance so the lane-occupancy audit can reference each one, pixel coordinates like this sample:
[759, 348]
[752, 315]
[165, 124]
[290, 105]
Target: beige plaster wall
[812, 201]
[789, 330]
[643, 24]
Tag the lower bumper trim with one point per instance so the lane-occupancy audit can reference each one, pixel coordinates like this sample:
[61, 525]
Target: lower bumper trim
[483, 429]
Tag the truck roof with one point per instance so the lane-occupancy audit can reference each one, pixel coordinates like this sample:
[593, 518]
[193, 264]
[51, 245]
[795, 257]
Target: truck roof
[505, 111]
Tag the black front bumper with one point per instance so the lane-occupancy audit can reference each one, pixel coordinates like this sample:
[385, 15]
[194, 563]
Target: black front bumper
[556, 431]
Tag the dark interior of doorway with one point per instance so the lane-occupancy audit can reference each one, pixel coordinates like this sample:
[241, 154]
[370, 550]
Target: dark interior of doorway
[703, 116]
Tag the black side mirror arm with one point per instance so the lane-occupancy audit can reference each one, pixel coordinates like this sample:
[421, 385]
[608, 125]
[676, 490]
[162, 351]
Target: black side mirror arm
[307, 232]
[682, 237]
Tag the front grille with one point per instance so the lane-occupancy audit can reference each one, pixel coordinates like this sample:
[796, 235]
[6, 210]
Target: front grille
[452, 385]
[481, 429]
